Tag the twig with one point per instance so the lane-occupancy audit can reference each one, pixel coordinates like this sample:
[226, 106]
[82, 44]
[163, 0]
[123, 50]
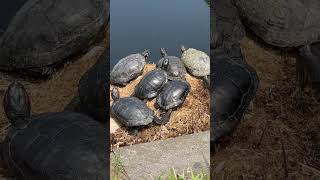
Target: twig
[314, 170]
[263, 131]
[285, 164]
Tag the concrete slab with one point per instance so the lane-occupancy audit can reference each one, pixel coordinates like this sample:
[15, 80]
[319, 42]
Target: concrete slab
[147, 160]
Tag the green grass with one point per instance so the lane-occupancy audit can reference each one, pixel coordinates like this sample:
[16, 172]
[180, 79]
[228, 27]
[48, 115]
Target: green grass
[189, 174]
[119, 173]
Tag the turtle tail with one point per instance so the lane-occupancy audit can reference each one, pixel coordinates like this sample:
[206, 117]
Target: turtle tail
[164, 119]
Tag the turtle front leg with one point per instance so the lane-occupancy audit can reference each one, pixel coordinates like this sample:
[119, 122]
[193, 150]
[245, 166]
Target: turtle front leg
[164, 119]
[133, 131]
[206, 81]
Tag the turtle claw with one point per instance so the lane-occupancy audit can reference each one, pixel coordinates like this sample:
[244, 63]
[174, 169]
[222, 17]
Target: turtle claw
[133, 131]
[164, 119]
[47, 71]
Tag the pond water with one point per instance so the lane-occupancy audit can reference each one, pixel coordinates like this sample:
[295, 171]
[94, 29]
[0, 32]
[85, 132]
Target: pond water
[136, 25]
[8, 10]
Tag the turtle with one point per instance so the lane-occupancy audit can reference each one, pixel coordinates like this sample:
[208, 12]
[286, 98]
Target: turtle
[175, 68]
[132, 112]
[171, 97]
[91, 98]
[128, 68]
[196, 62]
[234, 85]
[53, 31]
[151, 83]
[53, 145]
[282, 24]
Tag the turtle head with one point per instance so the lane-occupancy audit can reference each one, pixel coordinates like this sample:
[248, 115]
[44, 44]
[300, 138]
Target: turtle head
[146, 53]
[17, 104]
[165, 63]
[115, 94]
[163, 52]
[183, 49]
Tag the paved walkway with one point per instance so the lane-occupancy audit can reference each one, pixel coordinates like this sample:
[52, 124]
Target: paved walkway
[147, 160]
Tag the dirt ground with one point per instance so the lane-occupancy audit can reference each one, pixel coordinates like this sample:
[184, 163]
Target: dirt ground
[279, 136]
[192, 117]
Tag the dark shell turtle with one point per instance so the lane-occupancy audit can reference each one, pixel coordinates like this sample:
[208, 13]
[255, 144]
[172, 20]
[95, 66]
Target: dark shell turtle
[172, 96]
[92, 98]
[196, 62]
[151, 84]
[131, 111]
[43, 34]
[175, 68]
[289, 24]
[57, 145]
[234, 85]
[128, 68]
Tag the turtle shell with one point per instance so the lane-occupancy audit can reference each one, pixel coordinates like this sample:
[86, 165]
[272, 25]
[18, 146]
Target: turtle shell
[175, 68]
[234, 86]
[151, 84]
[63, 145]
[132, 112]
[173, 94]
[127, 69]
[282, 23]
[196, 62]
[92, 89]
[44, 33]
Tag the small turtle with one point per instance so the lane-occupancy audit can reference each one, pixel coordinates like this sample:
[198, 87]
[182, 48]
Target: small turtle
[196, 62]
[55, 145]
[131, 112]
[91, 98]
[52, 32]
[128, 68]
[151, 84]
[234, 86]
[175, 68]
[172, 96]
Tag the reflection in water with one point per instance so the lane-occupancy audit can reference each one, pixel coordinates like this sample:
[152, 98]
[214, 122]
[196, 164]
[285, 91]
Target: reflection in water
[144, 24]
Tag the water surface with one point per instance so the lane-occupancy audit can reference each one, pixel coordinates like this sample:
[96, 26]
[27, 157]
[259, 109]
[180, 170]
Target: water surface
[136, 25]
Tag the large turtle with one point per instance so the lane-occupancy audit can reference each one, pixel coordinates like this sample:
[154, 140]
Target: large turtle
[43, 34]
[280, 23]
[55, 145]
[286, 24]
[175, 68]
[151, 83]
[132, 112]
[172, 96]
[196, 62]
[128, 68]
